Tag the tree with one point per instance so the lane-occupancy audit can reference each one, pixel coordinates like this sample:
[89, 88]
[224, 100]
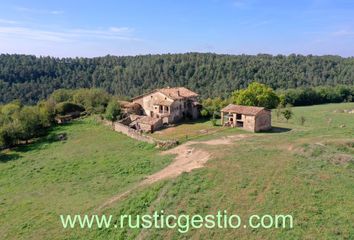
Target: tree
[287, 113]
[21, 123]
[212, 106]
[10, 134]
[112, 111]
[64, 108]
[31, 78]
[256, 94]
[46, 112]
[62, 95]
[94, 100]
[29, 122]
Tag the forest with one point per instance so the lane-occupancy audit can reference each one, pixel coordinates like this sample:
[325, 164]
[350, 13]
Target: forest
[30, 78]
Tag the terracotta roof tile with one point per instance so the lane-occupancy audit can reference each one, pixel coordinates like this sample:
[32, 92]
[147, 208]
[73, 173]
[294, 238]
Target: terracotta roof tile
[177, 92]
[174, 93]
[247, 110]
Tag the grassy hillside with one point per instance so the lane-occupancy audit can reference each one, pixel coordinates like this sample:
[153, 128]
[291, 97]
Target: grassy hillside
[304, 170]
[53, 177]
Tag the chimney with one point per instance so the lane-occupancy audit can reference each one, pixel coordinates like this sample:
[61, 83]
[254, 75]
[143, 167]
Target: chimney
[178, 93]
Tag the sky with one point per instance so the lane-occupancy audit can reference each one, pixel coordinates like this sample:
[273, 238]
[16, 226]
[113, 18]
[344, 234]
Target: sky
[70, 28]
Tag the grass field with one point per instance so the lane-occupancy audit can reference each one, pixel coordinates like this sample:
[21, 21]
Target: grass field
[188, 131]
[303, 170]
[42, 180]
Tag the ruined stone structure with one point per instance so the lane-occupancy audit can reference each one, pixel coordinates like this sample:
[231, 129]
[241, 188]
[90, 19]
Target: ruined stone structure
[131, 108]
[138, 135]
[251, 118]
[142, 123]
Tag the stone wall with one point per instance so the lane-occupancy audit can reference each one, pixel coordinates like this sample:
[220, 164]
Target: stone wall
[137, 135]
[130, 132]
[263, 121]
[249, 123]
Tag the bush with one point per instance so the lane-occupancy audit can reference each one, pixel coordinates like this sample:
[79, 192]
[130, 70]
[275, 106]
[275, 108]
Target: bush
[212, 105]
[287, 113]
[62, 95]
[112, 111]
[204, 113]
[94, 100]
[64, 108]
[19, 123]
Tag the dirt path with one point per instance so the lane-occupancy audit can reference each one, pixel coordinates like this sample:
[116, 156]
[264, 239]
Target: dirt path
[187, 159]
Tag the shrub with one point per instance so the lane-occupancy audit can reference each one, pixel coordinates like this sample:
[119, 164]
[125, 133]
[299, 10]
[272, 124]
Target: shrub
[62, 95]
[112, 111]
[94, 100]
[68, 107]
[204, 113]
[287, 113]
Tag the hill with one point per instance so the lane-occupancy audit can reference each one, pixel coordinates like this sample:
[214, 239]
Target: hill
[31, 78]
[305, 170]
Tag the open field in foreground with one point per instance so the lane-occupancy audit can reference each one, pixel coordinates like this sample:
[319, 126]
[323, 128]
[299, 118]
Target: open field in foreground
[303, 170]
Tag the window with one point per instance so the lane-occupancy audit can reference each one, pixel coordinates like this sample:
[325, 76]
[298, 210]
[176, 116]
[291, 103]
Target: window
[167, 109]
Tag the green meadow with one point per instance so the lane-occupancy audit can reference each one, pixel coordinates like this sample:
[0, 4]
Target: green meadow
[302, 168]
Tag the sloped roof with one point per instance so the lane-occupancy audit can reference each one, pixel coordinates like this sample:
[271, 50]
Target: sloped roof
[174, 93]
[246, 110]
[178, 92]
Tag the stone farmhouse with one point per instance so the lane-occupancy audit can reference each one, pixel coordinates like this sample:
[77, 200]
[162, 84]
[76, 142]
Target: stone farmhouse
[254, 119]
[150, 111]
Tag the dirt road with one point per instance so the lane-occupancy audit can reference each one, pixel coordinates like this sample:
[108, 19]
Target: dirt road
[188, 157]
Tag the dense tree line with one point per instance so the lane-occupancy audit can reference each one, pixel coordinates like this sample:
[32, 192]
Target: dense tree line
[316, 95]
[257, 94]
[31, 78]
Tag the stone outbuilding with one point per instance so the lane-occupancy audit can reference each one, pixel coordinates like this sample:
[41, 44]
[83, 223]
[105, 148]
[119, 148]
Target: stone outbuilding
[251, 118]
